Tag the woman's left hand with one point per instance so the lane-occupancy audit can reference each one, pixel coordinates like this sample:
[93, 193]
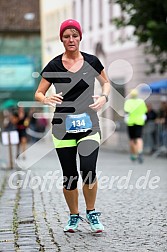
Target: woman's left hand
[99, 102]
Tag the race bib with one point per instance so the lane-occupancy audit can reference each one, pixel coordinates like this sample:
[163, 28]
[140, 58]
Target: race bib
[78, 123]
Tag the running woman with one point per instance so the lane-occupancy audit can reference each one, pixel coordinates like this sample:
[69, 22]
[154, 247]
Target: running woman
[75, 123]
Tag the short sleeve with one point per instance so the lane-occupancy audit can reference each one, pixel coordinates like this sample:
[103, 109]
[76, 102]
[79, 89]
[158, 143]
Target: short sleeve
[46, 73]
[97, 65]
[127, 106]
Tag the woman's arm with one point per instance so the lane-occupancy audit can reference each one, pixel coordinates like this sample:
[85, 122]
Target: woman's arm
[44, 85]
[105, 84]
[103, 98]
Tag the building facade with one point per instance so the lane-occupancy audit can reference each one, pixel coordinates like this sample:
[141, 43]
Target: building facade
[52, 14]
[123, 59]
[20, 49]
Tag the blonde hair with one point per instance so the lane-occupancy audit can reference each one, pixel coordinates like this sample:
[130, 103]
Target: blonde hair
[133, 93]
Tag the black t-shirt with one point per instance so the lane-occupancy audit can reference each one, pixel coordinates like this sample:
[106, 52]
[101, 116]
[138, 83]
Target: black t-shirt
[77, 88]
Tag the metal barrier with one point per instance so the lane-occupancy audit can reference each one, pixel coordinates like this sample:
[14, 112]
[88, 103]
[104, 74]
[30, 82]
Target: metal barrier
[154, 139]
[161, 134]
[150, 138]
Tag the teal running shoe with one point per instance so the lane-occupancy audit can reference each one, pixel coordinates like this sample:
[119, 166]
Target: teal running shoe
[72, 225]
[140, 158]
[93, 220]
[133, 157]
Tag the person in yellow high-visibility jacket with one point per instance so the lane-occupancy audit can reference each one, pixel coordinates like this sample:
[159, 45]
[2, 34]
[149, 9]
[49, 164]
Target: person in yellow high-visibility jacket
[135, 116]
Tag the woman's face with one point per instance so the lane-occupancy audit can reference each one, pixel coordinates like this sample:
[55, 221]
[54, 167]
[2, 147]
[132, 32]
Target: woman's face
[71, 40]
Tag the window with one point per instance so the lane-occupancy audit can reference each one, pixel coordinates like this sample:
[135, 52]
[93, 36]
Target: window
[100, 13]
[110, 11]
[74, 9]
[90, 15]
[82, 14]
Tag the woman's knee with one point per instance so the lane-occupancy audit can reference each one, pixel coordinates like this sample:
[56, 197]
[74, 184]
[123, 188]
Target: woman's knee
[88, 177]
[70, 182]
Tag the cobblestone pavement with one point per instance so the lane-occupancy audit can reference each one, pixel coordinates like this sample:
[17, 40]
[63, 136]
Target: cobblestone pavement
[32, 217]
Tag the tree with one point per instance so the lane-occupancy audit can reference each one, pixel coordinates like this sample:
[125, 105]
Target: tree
[149, 19]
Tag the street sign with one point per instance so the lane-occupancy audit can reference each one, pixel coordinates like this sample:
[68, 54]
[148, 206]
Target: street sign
[10, 137]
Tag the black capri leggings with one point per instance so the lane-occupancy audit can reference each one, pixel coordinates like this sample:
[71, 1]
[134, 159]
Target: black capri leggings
[88, 153]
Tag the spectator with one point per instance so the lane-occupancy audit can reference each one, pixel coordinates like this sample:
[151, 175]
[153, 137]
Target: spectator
[150, 129]
[162, 122]
[37, 126]
[23, 122]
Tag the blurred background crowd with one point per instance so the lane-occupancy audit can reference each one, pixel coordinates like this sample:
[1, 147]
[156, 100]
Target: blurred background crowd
[29, 128]
[155, 129]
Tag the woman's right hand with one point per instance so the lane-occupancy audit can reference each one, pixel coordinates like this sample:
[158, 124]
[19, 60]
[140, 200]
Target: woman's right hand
[53, 99]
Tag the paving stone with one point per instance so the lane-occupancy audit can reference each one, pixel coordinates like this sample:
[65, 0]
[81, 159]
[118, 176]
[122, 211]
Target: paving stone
[7, 246]
[134, 219]
[6, 236]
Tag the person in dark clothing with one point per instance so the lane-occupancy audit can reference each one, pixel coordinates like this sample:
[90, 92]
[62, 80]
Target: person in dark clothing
[75, 123]
[23, 122]
[150, 140]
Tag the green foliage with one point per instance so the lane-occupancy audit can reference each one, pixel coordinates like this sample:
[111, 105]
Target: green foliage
[150, 21]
